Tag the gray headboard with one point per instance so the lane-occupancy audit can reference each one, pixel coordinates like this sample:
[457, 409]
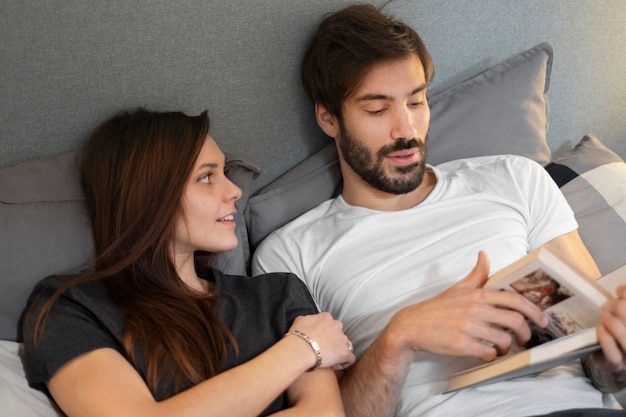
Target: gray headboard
[67, 64]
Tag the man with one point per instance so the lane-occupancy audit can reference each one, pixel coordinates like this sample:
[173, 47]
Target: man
[386, 256]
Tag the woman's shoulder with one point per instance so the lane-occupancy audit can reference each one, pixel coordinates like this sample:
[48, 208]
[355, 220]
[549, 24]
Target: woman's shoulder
[90, 297]
[281, 284]
[52, 283]
[271, 278]
[48, 285]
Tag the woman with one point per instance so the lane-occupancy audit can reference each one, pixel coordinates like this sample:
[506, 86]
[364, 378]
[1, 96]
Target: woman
[151, 330]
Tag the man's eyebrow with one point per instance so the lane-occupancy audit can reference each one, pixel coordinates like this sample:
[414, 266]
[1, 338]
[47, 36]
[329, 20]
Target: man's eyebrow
[368, 97]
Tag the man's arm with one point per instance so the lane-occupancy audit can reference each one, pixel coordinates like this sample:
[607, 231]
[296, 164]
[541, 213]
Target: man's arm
[456, 322]
[372, 387]
[571, 247]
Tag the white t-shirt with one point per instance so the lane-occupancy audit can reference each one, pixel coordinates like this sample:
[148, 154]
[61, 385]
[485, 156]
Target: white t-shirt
[364, 265]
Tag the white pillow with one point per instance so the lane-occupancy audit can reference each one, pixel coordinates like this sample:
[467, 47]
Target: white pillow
[16, 397]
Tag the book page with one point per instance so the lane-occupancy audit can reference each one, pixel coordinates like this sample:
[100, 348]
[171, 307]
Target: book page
[569, 300]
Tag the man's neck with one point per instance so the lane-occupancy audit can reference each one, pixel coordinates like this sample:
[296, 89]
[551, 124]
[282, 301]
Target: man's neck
[358, 193]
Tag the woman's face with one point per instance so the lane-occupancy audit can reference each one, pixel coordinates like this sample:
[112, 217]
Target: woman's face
[207, 221]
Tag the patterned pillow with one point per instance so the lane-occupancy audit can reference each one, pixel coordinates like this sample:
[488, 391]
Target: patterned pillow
[593, 180]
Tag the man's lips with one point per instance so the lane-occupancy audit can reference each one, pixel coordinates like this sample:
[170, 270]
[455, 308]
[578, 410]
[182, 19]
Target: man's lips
[404, 156]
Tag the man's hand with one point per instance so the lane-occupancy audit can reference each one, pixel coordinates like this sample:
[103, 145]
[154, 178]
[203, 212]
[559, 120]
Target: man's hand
[612, 333]
[468, 320]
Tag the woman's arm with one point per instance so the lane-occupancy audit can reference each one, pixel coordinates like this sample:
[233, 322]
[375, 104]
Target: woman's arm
[103, 383]
[314, 394]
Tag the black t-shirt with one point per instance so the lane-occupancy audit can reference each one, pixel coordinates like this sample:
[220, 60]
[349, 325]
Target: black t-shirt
[257, 310]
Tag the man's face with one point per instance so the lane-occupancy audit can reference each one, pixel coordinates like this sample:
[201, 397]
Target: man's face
[383, 134]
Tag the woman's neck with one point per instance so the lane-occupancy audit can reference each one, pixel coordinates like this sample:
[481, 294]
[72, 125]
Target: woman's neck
[186, 269]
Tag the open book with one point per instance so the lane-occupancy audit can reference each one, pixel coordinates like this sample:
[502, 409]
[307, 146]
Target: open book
[571, 301]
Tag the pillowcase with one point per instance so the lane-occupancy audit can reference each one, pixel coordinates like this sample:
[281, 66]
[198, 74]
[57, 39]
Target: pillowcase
[593, 180]
[45, 229]
[303, 187]
[503, 110]
[243, 174]
[16, 397]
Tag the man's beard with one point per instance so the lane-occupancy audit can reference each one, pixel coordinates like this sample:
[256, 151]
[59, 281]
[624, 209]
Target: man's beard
[370, 167]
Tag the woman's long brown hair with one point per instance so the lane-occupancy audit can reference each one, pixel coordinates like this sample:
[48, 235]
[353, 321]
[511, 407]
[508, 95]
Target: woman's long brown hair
[134, 170]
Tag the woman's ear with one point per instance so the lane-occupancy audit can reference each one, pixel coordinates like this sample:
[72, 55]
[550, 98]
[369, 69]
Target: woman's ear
[326, 121]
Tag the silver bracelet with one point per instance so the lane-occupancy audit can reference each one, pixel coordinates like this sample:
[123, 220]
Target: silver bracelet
[314, 346]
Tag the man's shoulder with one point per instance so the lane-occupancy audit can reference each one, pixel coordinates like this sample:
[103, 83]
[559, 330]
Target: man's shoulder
[486, 160]
[278, 251]
[297, 228]
[319, 214]
[496, 165]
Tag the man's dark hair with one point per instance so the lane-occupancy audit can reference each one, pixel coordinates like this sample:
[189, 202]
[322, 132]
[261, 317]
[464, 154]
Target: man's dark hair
[347, 44]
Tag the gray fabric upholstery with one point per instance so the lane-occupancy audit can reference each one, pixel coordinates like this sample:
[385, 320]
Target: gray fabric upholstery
[67, 64]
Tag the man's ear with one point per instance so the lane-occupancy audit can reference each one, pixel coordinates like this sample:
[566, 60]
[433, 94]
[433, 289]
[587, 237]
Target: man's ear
[326, 121]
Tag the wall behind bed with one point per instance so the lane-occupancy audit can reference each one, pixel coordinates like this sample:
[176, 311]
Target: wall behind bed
[67, 64]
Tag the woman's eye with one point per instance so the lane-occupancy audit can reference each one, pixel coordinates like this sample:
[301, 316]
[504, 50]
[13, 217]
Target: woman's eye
[205, 179]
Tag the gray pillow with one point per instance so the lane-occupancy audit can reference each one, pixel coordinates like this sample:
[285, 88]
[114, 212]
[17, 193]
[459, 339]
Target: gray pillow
[300, 189]
[503, 110]
[593, 180]
[45, 229]
[242, 173]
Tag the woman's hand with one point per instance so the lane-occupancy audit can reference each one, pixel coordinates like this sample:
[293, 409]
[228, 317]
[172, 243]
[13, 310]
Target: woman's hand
[335, 347]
